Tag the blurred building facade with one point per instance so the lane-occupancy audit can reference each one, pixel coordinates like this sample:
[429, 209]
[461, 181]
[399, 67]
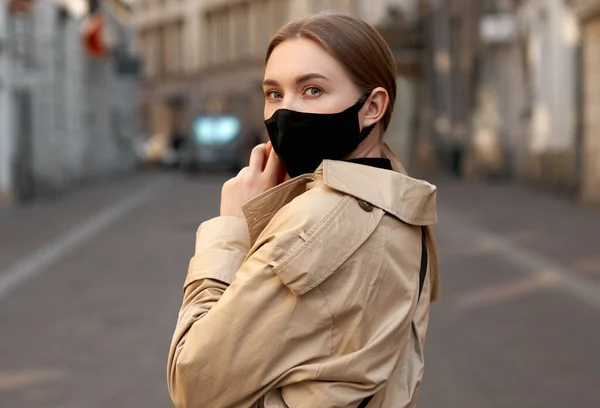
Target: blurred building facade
[588, 17]
[511, 89]
[69, 100]
[208, 56]
[550, 37]
[487, 88]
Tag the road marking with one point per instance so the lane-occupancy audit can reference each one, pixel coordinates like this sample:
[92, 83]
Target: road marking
[10, 381]
[503, 292]
[538, 265]
[41, 260]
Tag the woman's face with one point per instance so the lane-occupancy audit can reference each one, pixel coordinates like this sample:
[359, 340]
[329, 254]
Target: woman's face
[302, 76]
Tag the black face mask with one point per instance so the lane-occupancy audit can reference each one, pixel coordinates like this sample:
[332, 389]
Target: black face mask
[303, 140]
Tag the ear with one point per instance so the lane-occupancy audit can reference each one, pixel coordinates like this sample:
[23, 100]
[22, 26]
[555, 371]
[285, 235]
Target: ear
[375, 107]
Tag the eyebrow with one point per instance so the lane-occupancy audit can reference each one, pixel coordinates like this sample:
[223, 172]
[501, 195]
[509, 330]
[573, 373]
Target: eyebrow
[299, 80]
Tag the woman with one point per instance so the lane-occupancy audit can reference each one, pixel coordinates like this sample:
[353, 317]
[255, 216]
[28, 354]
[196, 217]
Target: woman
[314, 292]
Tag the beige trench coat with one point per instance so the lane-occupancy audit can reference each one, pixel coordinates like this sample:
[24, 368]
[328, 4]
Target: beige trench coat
[312, 300]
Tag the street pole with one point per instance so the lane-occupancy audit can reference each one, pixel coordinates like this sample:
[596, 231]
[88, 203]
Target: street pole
[5, 112]
[441, 66]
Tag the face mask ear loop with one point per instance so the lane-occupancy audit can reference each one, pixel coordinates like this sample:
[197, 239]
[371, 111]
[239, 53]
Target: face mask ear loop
[366, 132]
[364, 98]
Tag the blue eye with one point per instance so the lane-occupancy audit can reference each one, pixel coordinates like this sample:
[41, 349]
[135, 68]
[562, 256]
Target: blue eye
[313, 91]
[273, 95]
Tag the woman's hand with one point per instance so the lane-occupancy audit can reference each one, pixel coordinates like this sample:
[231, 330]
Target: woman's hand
[265, 171]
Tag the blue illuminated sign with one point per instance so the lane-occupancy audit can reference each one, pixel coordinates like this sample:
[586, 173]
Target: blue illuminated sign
[216, 129]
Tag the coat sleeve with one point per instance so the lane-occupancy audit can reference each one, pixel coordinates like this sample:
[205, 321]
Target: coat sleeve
[240, 330]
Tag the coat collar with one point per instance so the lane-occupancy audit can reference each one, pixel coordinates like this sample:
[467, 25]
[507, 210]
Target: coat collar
[410, 200]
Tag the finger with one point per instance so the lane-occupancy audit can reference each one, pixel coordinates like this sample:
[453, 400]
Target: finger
[228, 184]
[281, 171]
[274, 168]
[257, 157]
[268, 149]
[241, 176]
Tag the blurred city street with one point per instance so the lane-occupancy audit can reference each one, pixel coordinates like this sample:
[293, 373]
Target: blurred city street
[121, 119]
[90, 285]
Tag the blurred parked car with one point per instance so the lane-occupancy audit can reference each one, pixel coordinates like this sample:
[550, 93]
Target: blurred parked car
[157, 150]
[215, 142]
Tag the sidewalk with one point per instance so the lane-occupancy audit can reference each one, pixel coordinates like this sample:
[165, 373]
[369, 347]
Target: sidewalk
[552, 226]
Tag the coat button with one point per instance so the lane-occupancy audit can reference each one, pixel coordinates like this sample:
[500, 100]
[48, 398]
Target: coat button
[368, 207]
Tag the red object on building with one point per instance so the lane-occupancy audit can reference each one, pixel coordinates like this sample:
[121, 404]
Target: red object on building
[19, 7]
[93, 36]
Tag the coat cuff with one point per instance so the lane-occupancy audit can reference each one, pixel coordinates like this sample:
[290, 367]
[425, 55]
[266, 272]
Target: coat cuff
[222, 244]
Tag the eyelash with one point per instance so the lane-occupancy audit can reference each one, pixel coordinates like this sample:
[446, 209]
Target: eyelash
[270, 92]
[314, 87]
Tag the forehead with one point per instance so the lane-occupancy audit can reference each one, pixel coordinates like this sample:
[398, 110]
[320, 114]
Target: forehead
[300, 56]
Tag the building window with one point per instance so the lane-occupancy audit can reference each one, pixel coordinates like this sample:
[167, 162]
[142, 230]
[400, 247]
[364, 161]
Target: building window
[264, 27]
[161, 52]
[167, 51]
[275, 14]
[208, 49]
[151, 53]
[279, 15]
[22, 30]
[227, 40]
[220, 41]
[153, 46]
[237, 31]
[242, 30]
[143, 50]
[173, 54]
[178, 57]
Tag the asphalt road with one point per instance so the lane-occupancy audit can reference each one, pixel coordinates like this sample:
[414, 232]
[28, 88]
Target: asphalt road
[90, 285]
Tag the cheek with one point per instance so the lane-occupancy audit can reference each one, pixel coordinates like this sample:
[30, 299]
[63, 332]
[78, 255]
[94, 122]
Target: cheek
[268, 111]
[333, 104]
